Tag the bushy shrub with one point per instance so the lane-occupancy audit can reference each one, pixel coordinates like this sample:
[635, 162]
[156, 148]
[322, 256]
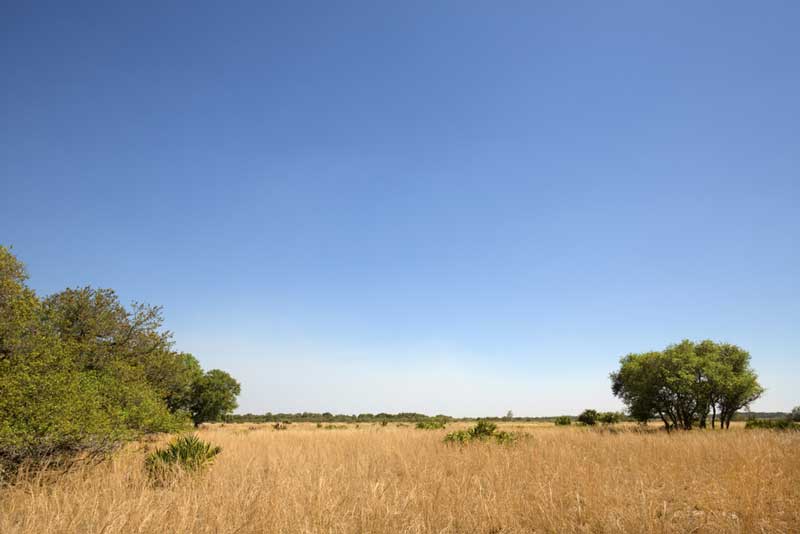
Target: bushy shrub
[459, 436]
[772, 424]
[505, 437]
[609, 418]
[563, 420]
[483, 430]
[186, 454]
[433, 424]
[588, 417]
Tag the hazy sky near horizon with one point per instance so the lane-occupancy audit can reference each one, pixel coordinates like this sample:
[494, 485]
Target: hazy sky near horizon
[444, 207]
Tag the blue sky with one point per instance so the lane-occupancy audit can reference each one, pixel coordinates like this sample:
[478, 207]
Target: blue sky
[458, 207]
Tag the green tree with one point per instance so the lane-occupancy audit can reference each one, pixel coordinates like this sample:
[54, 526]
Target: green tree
[588, 417]
[685, 382]
[739, 385]
[795, 415]
[213, 396]
[609, 418]
[79, 373]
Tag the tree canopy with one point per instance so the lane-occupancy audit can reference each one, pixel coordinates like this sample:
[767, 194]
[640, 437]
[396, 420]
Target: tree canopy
[79, 371]
[686, 382]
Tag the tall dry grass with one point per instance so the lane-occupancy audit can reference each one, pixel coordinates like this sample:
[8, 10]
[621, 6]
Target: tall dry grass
[401, 480]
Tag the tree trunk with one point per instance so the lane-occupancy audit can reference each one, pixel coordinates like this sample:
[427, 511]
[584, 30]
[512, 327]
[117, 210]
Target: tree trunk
[666, 423]
[713, 416]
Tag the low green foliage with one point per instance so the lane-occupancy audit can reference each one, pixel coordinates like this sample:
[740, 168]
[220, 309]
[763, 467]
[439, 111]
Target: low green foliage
[433, 424]
[772, 424]
[483, 430]
[459, 436]
[563, 420]
[186, 454]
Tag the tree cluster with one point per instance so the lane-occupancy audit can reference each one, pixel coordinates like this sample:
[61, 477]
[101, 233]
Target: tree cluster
[81, 372]
[686, 383]
[592, 417]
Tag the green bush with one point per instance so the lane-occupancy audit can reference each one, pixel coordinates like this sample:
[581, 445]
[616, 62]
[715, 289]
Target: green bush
[588, 417]
[609, 418]
[505, 437]
[433, 424]
[483, 430]
[772, 424]
[563, 420]
[186, 454]
[459, 436]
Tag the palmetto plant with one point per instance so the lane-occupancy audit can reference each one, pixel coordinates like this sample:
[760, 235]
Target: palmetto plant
[188, 454]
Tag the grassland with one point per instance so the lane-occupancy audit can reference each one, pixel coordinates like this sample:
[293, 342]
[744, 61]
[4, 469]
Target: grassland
[374, 479]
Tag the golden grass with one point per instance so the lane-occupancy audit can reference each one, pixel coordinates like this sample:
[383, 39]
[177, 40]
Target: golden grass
[393, 479]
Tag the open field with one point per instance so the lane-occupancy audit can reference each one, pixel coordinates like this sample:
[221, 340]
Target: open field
[392, 479]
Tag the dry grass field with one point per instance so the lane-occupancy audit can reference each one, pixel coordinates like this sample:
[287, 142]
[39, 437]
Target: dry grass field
[375, 479]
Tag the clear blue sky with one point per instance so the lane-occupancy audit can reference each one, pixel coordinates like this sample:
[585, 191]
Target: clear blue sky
[450, 207]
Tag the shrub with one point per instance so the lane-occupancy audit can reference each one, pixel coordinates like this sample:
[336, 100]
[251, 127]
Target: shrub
[481, 431]
[430, 425]
[588, 417]
[772, 424]
[609, 418]
[505, 437]
[187, 454]
[563, 420]
[459, 436]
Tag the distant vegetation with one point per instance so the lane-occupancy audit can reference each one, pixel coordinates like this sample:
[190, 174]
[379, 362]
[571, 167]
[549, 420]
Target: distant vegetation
[772, 424]
[80, 373]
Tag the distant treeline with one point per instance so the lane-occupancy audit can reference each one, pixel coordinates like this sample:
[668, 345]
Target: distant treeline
[403, 417]
[744, 416]
[413, 417]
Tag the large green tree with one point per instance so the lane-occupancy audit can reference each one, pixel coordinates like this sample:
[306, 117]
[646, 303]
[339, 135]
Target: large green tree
[686, 382]
[213, 396]
[79, 372]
